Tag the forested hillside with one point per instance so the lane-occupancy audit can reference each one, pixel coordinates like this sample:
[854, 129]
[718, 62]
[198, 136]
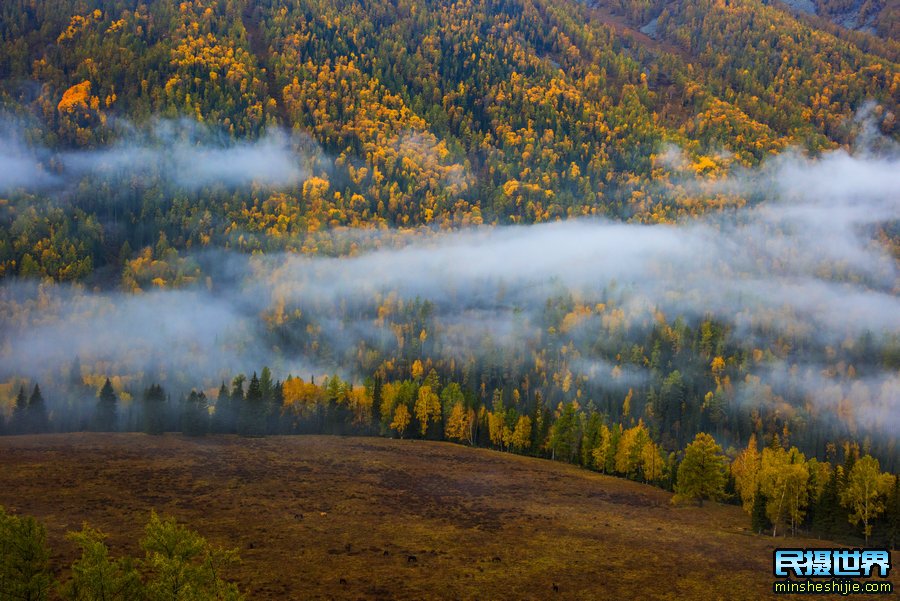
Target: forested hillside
[193, 191]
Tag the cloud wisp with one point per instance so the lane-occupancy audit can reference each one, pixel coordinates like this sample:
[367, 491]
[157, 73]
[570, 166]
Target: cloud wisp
[805, 262]
[179, 153]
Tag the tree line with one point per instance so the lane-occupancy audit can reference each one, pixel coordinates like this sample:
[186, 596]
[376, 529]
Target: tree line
[842, 496]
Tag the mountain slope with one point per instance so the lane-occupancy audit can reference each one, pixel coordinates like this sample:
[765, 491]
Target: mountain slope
[518, 110]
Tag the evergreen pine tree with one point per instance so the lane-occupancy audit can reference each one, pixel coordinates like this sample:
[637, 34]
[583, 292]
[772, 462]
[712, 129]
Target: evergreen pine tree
[154, 410]
[252, 416]
[19, 421]
[893, 514]
[222, 417]
[827, 510]
[37, 412]
[759, 521]
[377, 397]
[851, 454]
[273, 409]
[266, 386]
[195, 415]
[237, 389]
[228, 406]
[107, 410]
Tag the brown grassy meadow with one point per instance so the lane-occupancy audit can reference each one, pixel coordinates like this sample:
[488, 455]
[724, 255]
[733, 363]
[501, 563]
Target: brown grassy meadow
[319, 517]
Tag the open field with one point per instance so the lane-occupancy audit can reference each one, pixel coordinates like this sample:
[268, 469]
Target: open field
[320, 517]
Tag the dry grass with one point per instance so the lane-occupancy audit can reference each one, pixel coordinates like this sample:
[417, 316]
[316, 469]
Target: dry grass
[320, 517]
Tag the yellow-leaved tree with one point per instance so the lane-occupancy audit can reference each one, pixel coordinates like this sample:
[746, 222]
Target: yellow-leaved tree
[521, 436]
[458, 426]
[401, 419]
[745, 469]
[865, 492]
[427, 408]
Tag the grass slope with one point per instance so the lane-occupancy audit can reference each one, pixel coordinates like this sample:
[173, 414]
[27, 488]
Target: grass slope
[339, 518]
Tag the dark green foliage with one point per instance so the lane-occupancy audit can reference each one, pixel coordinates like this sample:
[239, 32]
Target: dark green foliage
[154, 404]
[182, 565]
[829, 519]
[701, 474]
[178, 565]
[759, 521]
[893, 516]
[565, 435]
[195, 415]
[337, 412]
[228, 407]
[274, 418]
[37, 411]
[24, 559]
[97, 577]
[266, 385]
[224, 418]
[19, 421]
[106, 417]
[252, 421]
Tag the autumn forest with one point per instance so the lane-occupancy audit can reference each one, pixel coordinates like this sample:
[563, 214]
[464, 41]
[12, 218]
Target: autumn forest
[641, 237]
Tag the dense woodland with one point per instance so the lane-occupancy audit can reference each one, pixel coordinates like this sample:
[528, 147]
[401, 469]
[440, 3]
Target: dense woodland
[415, 117]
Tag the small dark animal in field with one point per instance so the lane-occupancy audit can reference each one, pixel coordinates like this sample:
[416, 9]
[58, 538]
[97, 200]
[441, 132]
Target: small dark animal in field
[386, 553]
[412, 559]
[251, 545]
[343, 581]
[298, 516]
[496, 559]
[555, 588]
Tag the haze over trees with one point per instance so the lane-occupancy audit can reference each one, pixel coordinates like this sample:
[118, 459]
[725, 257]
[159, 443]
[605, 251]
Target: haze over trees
[361, 197]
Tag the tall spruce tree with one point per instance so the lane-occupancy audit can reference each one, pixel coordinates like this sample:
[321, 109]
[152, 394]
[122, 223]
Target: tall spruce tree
[195, 415]
[273, 409]
[38, 420]
[223, 416]
[19, 420]
[759, 521]
[253, 410]
[106, 417]
[154, 403]
[827, 513]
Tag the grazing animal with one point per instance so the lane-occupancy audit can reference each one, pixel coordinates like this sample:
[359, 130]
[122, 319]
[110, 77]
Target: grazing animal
[412, 559]
[555, 588]
[496, 559]
[343, 581]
